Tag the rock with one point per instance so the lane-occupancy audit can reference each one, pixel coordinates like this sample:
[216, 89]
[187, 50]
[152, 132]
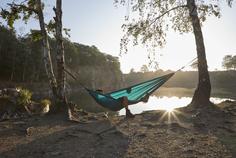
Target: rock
[192, 140]
[37, 108]
[141, 135]
[188, 150]
[5, 116]
[149, 124]
[19, 123]
[55, 153]
[12, 92]
[29, 131]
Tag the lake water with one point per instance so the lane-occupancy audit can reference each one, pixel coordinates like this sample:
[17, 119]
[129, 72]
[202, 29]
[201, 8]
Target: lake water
[86, 102]
[164, 103]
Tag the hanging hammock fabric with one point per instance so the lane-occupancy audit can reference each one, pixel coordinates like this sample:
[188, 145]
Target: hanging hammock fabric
[135, 93]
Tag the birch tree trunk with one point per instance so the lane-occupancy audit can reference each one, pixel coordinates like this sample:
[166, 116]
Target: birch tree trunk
[202, 94]
[61, 62]
[46, 51]
[60, 52]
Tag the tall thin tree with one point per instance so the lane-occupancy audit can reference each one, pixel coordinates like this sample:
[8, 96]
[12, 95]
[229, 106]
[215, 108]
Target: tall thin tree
[46, 49]
[60, 52]
[155, 17]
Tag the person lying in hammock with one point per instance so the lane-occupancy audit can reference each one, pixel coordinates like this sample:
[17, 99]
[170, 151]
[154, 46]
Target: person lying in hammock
[124, 101]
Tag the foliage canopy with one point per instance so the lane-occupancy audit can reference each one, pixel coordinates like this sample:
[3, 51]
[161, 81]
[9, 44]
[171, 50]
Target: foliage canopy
[151, 19]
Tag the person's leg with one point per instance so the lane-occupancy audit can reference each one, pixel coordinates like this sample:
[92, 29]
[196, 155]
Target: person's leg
[125, 104]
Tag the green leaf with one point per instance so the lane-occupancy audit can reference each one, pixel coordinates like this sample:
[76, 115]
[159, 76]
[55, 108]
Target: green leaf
[36, 35]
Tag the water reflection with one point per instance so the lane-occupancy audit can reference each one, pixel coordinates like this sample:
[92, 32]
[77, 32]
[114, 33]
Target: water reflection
[164, 103]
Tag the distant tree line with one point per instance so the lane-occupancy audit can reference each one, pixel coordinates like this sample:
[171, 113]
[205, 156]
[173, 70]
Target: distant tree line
[21, 60]
[187, 79]
[229, 62]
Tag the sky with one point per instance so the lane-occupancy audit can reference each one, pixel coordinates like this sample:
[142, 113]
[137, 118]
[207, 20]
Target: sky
[98, 22]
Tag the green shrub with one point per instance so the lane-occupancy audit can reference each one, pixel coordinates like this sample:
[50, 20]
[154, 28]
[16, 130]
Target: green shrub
[45, 102]
[24, 97]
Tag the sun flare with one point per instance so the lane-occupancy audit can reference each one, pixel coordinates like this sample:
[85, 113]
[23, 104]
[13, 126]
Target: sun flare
[169, 109]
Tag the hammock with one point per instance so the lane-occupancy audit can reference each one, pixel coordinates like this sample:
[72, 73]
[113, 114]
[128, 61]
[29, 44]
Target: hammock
[135, 93]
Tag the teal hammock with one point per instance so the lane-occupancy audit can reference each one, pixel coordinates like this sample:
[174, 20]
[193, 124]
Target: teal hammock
[135, 93]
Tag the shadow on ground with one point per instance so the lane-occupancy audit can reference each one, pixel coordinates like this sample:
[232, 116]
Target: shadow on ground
[75, 141]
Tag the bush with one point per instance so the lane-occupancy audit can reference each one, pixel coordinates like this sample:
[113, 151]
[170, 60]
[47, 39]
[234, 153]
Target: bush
[45, 102]
[24, 97]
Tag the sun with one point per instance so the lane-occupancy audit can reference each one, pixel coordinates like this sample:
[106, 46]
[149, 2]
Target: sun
[169, 109]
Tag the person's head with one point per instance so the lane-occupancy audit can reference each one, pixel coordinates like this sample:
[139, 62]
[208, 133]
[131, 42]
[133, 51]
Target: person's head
[99, 90]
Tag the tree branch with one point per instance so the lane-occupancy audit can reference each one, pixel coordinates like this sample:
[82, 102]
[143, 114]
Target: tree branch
[181, 6]
[23, 6]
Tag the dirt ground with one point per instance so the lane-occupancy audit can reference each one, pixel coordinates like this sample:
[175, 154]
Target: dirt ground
[183, 133]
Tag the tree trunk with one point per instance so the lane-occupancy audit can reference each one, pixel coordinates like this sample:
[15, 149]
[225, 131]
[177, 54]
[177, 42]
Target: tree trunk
[60, 57]
[60, 52]
[202, 94]
[46, 51]
[13, 66]
[24, 66]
